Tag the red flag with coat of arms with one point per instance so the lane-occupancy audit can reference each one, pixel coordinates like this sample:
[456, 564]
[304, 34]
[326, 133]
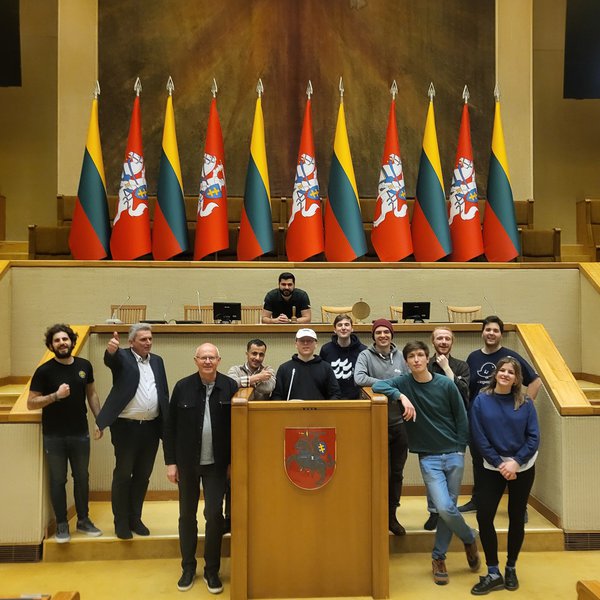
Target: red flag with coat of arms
[131, 227]
[391, 226]
[463, 209]
[211, 227]
[305, 227]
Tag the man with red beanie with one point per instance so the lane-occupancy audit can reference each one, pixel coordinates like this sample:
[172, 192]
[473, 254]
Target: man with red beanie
[382, 360]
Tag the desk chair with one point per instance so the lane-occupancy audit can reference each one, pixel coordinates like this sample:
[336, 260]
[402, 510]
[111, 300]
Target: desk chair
[128, 313]
[193, 312]
[463, 314]
[328, 313]
[396, 313]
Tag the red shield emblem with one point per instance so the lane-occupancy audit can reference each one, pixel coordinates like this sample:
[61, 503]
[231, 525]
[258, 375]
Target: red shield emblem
[309, 458]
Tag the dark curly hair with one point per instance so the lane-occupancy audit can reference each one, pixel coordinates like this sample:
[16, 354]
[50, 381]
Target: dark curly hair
[52, 331]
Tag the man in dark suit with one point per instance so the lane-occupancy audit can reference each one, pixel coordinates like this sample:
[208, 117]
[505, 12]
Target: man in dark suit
[197, 447]
[135, 410]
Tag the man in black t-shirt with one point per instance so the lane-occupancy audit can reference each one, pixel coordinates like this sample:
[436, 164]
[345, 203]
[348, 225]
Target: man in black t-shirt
[60, 388]
[286, 303]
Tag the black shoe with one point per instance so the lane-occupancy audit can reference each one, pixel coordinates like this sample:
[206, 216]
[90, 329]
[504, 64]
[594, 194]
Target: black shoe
[186, 581]
[395, 526]
[510, 579]
[86, 526]
[487, 584]
[123, 533]
[431, 523]
[139, 528]
[470, 506]
[227, 525]
[213, 583]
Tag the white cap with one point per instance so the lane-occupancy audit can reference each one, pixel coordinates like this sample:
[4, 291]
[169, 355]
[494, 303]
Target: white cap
[306, 332]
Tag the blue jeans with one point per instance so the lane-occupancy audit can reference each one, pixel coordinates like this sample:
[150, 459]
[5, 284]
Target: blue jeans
[442, 475]
[75, 449]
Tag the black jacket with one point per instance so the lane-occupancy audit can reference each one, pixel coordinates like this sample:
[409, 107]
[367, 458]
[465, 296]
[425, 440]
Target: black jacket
[342, 360]
[183, 432]
[313, 380]
[126, 378]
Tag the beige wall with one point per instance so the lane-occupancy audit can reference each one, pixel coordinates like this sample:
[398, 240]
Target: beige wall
[566, 132]
[5, 319]
[590, 341]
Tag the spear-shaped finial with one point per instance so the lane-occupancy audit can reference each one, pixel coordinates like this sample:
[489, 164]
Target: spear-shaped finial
[137, 88]
[170, 86]
[96, 90]
[341, 88]
[260, 88]
[309, 89]
[497, 92]
[214, 88]
[394, 90]
[466, 94]
[431, 92]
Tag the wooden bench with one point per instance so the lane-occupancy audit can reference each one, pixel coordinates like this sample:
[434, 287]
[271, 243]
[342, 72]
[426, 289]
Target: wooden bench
[588, 225]
[52, 242]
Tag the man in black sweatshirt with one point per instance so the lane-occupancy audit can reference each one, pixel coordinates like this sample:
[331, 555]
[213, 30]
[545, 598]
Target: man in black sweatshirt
[307, 376]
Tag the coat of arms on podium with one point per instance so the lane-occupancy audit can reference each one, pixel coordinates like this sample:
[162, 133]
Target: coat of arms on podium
[309, 456]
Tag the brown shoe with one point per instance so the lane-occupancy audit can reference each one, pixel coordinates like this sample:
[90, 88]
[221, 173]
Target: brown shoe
[440, 573]
[473, 556]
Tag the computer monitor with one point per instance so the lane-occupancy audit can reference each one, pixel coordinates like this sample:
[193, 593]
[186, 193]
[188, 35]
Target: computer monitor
[226, 312]
[417, 311]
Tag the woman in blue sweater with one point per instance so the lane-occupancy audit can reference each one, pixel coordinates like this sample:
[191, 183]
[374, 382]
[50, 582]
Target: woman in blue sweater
[504, 427]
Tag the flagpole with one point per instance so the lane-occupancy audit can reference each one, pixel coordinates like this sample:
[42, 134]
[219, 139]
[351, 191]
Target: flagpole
[260, 88]
[394, 90]
[96, 90]
[309, 89]
[170, 86]
[214, 88]
[466, 95]
[431, 92]
[137, 87]
[341, 89]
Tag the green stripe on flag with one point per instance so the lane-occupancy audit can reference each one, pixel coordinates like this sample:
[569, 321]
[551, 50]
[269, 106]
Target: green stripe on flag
[92, 196]
[258, 207]
[500, 198]
[170, 199]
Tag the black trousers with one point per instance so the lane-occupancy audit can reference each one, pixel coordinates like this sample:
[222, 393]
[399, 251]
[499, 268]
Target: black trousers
[135, 444]
[478, 469]
[397, 455]
[214, 483]
[491, 488]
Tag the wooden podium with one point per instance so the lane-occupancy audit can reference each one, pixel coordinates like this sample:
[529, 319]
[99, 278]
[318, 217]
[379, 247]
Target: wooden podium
[290, 542]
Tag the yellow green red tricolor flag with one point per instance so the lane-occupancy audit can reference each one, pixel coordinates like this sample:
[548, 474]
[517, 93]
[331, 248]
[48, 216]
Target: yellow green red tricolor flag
[500, 234]
[90, 232]
[169, 235]
[256, 229]
[344, 233]
[430, 231]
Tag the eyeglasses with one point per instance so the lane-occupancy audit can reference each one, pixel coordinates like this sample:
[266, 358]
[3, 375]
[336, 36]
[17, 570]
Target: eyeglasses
[207, 358]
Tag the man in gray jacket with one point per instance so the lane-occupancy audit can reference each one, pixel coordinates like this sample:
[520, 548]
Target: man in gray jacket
[382, 360]
[253, 373]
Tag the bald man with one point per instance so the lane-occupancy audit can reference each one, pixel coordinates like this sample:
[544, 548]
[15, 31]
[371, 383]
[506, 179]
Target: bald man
[197, 448]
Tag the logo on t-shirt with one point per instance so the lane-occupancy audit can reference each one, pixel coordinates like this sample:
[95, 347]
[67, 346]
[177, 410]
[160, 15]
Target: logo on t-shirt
[486, 371]
[82, 374]
[342, 368]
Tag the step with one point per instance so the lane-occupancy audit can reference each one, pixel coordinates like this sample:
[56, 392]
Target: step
[590, 389]
[14, 250]
[161, 518]
[9, 393]
[575, 253]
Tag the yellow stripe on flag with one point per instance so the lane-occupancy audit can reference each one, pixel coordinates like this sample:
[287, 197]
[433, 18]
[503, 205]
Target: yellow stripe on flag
[430, 144]
[498, 145]
[93, 141]
[341, 148]
[258, 147]
[169, 141]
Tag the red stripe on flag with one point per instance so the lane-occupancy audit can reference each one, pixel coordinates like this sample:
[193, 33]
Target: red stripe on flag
[248, 247]
[497, 243]
[164, 244]
[427, 247]
[337, 246]
[83, 241]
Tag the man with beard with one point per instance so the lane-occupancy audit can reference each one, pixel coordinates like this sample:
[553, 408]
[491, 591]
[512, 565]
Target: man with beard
[253, 373]
[307, 376]
[286, 304]
[482, 364]
[60, 388]
[457, 370]
[341, 353]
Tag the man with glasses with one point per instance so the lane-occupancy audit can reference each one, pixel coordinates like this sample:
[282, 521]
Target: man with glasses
[197, 446]
[307, 376]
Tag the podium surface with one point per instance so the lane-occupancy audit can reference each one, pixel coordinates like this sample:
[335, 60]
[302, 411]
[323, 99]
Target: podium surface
[291, 542]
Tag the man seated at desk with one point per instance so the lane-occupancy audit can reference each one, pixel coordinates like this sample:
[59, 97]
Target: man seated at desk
[307, 376]
[286, 304]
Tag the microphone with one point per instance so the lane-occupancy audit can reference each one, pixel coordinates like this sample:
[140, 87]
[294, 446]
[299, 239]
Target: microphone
[113, 319]
[490, 305]
[198, 303]
[291, 383]
[168, 310]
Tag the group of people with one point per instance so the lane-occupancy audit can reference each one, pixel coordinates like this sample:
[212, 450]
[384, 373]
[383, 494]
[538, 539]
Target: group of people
[436, 407]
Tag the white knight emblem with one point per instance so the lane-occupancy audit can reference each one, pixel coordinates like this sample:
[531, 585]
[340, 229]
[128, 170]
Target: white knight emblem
[392, 192]
[133, 187]
[211, 185]
[463, 195]
[305, 197]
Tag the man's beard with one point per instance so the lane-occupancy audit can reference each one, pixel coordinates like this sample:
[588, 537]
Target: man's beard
[286, 293]
[63, 353]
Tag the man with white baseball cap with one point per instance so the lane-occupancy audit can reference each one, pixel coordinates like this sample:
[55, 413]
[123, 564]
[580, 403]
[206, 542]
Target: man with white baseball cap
[307, 376]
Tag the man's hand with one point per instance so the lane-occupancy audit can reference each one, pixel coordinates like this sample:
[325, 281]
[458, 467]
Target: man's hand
[442, 361]
[98, 433]
[63, 391]
[282, 319]
[172, 473]
[260, 377]
[113, 343]
[409, 410]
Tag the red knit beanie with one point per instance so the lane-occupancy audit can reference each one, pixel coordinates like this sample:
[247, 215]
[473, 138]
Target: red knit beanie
[381, 323]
